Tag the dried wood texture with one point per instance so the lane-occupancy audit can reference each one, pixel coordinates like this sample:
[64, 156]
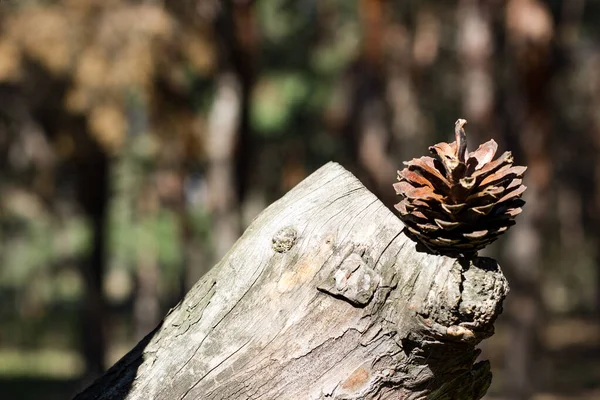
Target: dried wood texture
[323, 297]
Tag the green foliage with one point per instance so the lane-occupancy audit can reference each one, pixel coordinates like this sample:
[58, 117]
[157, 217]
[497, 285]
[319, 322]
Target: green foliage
[276, 98]
[42, 243]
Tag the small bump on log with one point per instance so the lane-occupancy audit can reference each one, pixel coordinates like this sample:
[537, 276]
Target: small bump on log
[284, 239]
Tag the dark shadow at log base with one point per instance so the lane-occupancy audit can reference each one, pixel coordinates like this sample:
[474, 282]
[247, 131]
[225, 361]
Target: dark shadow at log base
[119, 378]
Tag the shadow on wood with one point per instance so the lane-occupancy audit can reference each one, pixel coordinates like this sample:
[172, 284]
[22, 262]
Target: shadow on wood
[323, 297]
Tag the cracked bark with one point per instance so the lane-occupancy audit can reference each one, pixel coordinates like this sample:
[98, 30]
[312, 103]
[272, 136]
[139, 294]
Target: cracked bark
[323, 297]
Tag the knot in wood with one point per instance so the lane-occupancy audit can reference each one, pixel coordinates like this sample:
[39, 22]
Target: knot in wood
[284, 239]
[463, 301]
[353, 280]
[484, 288]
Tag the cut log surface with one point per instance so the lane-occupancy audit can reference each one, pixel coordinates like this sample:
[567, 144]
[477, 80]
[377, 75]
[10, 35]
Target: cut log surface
[323, 297]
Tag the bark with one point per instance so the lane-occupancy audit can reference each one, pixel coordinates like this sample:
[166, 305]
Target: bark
[322, 297]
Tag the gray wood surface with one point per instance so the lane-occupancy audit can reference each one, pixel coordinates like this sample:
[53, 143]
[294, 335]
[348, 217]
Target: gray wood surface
[323, 297]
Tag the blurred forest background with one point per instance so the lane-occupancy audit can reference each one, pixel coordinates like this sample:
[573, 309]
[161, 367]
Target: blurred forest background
[139, 138]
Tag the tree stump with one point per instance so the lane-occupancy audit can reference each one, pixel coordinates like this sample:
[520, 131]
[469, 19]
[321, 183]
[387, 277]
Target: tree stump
[323, 297]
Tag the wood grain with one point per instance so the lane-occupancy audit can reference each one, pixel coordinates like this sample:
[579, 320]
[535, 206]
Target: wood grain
[323, 297]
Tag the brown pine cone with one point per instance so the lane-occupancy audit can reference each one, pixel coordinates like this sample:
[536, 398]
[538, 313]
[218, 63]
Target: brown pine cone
[459, 202]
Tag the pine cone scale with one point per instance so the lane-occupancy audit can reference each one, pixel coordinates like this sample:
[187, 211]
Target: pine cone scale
[484, 153]
[505, 173]
[483, 210]
[505, 159]
[414, 178]
[453, 208]
[516, 192]
[425, 166]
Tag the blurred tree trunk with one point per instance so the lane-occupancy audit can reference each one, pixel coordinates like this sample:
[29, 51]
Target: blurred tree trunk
[530, 33]
[45, 94]
[93, 192]
[578, 202]
[593, 209]
[146, 308]
[591, 187]
[572, 28]
[221, 179]
[229, 138]
[476, 46]
[186, 239]
[366, 115]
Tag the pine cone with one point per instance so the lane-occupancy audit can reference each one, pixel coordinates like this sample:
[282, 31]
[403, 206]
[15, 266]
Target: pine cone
[459, 202]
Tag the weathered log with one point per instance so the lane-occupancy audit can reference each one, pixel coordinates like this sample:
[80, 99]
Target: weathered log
[323, 297]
